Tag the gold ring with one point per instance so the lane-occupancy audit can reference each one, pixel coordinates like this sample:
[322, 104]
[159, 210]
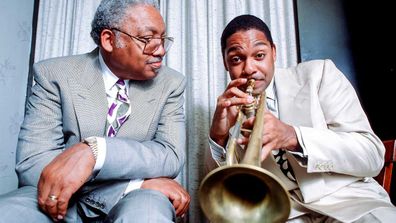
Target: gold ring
[53, 197]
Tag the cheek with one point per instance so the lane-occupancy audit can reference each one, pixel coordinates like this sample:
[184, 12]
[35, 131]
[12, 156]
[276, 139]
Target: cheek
[235, 72]
[137, 61]
[267, 69]
[269, 73]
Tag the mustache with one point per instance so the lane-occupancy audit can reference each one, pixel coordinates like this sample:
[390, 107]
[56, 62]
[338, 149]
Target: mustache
[155, 60]
[256, 76]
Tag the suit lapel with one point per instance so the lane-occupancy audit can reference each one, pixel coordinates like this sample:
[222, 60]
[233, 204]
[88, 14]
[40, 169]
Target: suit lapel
[295, 106]
[90, 102]
[294, 102]
[89, 97]
[143, 98]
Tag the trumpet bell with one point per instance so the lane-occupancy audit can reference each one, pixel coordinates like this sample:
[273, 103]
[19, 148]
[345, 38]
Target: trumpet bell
[244, 193]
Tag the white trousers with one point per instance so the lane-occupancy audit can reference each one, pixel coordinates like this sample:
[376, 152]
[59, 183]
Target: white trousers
[379, 215]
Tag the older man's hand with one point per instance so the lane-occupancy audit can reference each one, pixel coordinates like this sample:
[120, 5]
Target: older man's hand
[62, 177]
[173, 190]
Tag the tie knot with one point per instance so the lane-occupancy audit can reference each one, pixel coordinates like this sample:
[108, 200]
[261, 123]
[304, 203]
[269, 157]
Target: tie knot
[120, 84]
[122, 94]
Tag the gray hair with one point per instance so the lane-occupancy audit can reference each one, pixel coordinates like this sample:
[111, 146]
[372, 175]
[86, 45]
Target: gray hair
[111, 13]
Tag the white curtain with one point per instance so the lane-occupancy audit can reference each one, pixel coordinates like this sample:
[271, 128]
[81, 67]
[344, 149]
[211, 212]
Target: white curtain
[196, 25]
[63, 28]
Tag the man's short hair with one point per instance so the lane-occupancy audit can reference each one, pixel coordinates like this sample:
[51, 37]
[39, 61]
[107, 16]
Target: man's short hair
[111, 13]
[244, 23]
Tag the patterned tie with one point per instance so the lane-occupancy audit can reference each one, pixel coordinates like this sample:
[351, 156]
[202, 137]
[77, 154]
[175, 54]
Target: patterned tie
[119, 110]
[281, 160]
[280, 155]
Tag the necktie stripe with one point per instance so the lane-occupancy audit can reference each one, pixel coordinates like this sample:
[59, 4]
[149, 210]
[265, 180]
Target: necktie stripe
[281, 160]
[111, 109]
[119, 110]
[122, 98]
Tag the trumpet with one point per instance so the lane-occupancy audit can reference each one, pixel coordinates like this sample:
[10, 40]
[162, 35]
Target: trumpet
[245, 192]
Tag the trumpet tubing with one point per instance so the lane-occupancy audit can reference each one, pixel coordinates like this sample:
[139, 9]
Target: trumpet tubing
[245, 192]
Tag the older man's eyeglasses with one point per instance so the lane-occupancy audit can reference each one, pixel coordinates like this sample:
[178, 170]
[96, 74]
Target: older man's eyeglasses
[151, 44]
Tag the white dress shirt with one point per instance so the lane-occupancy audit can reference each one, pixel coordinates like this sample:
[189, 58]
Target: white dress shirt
[109, 80]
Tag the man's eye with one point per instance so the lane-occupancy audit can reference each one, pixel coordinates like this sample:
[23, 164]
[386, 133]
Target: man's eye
[235, 59]
[260, 55]
[146, 38]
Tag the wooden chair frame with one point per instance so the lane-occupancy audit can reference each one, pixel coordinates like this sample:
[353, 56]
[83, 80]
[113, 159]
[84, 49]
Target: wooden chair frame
[385, 176]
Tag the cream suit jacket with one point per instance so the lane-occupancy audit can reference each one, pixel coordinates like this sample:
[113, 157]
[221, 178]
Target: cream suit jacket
[343, 152]
[68, 103]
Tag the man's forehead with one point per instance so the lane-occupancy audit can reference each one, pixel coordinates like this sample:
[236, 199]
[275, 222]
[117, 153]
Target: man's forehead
[247, 36]
[150, 28]
[144, 18]
[238, 45]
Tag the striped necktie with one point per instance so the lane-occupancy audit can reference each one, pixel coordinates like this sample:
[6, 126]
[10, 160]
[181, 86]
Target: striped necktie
[280, 155]
[119, 110]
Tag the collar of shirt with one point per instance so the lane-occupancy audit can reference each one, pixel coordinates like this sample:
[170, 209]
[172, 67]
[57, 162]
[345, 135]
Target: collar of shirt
[109, 80]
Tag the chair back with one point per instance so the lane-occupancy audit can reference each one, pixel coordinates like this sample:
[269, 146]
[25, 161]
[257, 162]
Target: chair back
[385, 176]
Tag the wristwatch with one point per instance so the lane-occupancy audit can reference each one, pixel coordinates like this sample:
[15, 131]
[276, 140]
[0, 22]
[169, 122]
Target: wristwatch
[92, 142]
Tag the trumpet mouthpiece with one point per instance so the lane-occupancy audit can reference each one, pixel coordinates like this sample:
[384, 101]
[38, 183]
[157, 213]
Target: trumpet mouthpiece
[250, 86]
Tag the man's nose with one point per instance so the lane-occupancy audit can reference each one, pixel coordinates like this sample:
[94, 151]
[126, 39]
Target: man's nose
[160, 51]
[249, 68]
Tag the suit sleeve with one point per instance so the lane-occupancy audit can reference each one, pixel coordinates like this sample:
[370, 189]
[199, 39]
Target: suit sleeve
[162, 156]
[41, 137]
[345, 143]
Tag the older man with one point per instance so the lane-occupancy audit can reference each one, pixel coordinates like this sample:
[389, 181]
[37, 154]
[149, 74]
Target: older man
[104, 132]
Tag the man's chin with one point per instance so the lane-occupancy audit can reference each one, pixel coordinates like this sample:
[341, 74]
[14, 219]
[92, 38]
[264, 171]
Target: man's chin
[258, 91]
[260, 87]
[152, 74]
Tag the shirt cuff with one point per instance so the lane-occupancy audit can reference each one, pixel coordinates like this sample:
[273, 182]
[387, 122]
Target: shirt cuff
[301, 156]
[101, 155]
[133, 185]
[217, 151]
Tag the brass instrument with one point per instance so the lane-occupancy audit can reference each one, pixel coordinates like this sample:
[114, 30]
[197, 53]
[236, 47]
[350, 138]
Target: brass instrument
[244, 192]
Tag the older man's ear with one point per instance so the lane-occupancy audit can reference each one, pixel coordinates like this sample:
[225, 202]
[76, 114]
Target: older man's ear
[107, 40]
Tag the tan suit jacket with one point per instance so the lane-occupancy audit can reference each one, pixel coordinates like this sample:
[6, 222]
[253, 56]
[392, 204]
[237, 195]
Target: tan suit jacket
[343, 152]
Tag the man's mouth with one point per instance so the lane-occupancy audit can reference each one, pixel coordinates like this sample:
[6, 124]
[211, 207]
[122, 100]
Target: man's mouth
[155, 63]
